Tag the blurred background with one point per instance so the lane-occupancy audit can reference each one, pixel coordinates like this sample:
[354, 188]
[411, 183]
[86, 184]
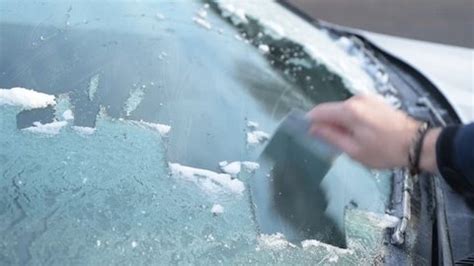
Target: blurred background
[442, 21]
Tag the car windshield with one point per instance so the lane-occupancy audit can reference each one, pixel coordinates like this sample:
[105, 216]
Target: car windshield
[129, 132]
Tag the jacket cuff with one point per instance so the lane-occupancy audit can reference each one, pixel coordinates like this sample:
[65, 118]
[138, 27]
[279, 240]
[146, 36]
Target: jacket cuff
[445, 152]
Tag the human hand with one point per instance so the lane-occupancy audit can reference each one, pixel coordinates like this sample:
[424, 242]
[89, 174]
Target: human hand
[367, 129]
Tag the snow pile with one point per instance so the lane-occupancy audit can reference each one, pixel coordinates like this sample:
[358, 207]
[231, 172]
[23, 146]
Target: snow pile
[275, 241]
[217, 209]
[68, 115]
[85, 131]
[26, 98]
[208, 180]
[234, 168]
[52, 128]
[162, 129]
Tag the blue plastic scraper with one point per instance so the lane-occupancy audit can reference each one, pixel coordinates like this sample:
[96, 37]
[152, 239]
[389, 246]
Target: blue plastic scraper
[286, 193]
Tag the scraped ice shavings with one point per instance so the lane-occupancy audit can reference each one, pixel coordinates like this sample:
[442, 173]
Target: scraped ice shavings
[25, 98]
[208, 180]
[217, 209]
[52, 128]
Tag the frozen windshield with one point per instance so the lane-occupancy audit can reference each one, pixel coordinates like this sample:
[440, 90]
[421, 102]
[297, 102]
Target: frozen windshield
[129, 131]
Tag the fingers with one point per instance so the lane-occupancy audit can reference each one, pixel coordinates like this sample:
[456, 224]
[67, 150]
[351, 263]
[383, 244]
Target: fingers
[331, 113]
[341, 139]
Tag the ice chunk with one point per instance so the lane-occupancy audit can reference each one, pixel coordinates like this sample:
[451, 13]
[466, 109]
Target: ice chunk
[202, 22]
[160, 128]
[217, 209]
[250, 166]
[232, 168]
[25, 98]
[256, 137]
[208, 180]
[52, 128]
[68, 115]
[134, 100]
[84, 130]
[264, 48]
[252, 125]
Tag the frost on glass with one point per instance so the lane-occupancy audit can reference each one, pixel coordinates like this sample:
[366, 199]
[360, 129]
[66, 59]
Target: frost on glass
[109, 196]
[101, 189]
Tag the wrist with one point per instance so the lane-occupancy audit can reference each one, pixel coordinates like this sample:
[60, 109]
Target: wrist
[410, 131]
[428, 161]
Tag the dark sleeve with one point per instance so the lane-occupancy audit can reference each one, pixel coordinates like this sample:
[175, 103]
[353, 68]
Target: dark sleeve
[455, 156]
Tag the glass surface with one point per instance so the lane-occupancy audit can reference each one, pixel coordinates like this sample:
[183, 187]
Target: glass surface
[109, 188]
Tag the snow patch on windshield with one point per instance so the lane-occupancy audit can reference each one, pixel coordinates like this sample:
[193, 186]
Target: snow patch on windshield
[317, 42]
[52, 128]
[93, 86]
[209, 181]
[134, 99]
[25, 98]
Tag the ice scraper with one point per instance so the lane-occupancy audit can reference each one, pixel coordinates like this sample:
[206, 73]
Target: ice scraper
[286, 193]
